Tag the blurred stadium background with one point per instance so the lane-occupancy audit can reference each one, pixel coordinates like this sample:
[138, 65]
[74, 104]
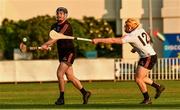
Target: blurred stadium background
[104, 64]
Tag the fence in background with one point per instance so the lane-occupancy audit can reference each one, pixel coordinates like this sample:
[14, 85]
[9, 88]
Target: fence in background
[85, 69]
[165, 69]
[45, 70]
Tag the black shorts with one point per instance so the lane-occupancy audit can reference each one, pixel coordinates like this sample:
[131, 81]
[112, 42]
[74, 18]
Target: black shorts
[67, 57]
[148, 62]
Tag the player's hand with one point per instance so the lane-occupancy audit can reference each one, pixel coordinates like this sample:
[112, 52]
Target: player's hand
[44, 47]
[23, 47]
[95, 41]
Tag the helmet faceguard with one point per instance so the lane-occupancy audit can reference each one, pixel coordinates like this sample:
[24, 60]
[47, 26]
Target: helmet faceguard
[62, 14]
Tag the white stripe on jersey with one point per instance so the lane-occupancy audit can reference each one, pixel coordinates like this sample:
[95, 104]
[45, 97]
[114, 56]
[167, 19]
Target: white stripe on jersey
[140, 40]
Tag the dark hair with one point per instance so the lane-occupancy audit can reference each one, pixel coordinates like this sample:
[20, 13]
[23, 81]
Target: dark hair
[62, 9]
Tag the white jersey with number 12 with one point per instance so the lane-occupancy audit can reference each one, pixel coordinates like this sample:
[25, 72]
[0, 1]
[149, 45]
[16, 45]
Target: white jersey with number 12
[140, 40]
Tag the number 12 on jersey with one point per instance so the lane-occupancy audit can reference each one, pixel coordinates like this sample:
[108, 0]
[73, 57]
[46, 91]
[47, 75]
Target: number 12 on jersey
[144, 38]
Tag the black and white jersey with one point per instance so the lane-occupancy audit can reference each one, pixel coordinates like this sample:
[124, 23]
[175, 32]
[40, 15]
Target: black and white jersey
[140, 40]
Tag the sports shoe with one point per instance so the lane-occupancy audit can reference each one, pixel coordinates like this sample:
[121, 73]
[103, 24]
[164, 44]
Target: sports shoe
[146, 101]
[59, 101]
[159, 91]
[86, 97]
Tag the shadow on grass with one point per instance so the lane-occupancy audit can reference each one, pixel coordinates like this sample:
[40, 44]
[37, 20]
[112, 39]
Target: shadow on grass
[89, 106]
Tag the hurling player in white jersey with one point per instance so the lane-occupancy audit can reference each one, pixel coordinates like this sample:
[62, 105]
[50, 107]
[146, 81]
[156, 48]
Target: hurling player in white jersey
[141, 43]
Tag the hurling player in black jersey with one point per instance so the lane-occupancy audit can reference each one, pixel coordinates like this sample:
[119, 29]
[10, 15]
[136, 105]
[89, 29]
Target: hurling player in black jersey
[66, 53]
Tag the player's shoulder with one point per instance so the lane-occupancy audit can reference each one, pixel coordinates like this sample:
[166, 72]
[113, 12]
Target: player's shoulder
[67, 23]
[137, 31]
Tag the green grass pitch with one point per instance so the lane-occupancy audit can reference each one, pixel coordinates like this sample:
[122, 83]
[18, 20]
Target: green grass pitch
[105, 95]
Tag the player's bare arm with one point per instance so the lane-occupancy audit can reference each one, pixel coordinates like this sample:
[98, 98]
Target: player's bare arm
[48, 44]
[107, 40]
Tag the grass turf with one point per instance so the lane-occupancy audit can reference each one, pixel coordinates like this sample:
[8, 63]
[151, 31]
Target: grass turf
[105, 95]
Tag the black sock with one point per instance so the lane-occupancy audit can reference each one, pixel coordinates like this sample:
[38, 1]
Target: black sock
[83, 91]
[146, 95]
[155, 85]
[61, 95]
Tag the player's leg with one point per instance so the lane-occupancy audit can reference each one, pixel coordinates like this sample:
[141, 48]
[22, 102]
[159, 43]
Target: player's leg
[72, 78]
[60, 75]
[78, 85]
[149, 81]
[141, 73]
[159, 88]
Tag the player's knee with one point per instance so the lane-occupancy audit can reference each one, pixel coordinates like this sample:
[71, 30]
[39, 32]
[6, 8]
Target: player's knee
[138, 80]
[70, 77]
[60, 76]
